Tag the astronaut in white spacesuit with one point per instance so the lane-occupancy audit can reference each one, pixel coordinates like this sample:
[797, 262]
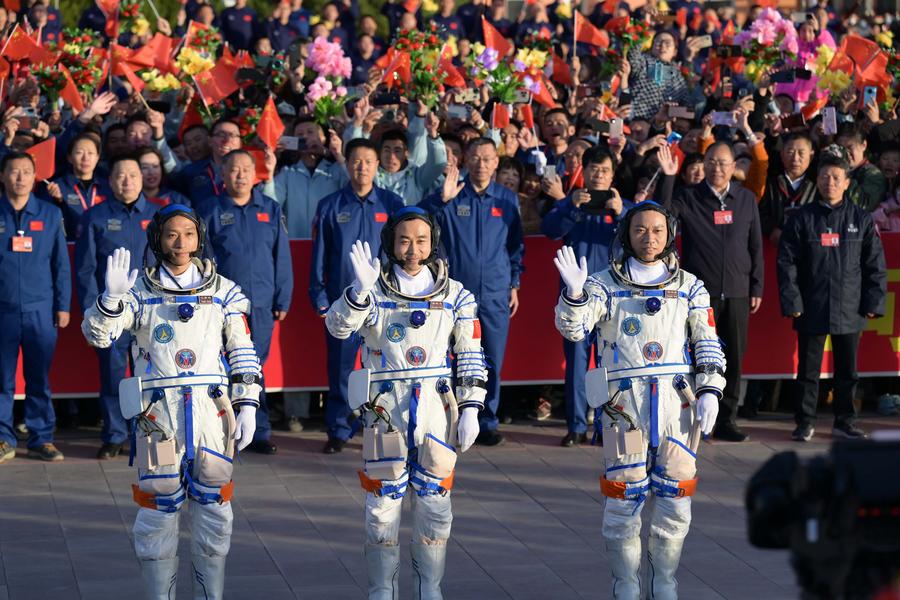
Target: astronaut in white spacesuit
[183, 317]
[658, 343]
[411, 317]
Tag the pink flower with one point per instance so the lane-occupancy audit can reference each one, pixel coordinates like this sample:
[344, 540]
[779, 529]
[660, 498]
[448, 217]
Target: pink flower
[790, 45]
[341, 91]
[318, 89]
[764, 32]
[770, 15]
[742, 38]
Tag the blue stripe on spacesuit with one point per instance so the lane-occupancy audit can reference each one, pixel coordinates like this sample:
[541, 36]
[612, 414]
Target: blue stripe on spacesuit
[181, 300]
[187, 394]
[411, 304]
[413, 420]
[654, 412]
[645, 294]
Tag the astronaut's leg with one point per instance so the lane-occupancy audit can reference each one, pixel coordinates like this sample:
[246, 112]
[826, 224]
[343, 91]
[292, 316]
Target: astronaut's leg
[433, 517]
[210, 541]
[160, 496]
[668, 528]
[382, 540]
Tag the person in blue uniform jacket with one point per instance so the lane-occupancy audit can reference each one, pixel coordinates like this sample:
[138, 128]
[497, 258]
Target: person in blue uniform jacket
[35, 293]
[120, 222]
[482, 234]
[239, 25]
[356, 212]
[248, 237]
[589, 227]
[74, 193]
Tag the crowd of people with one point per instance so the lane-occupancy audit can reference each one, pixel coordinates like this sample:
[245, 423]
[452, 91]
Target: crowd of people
[438, 135]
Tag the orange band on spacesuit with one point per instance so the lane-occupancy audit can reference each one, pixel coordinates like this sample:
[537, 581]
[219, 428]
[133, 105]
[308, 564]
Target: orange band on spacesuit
[368, 484]
[226, 491]
[142, 498]
[688, 486]
[612, 489]
[447, 484]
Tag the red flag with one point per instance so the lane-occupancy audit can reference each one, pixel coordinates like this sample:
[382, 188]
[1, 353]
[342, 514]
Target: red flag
[543, 96]
[767, 3]
[494, 39]
[44, 155]
[576, 180]
[19, 46]
[385, 59]
[156, 53]
[217, 84]
[728, 33]
[110, 8]
[527, 115]
[411, 6]
[813, 106]
[121, 65]
[697, 21]
[192, 30]
[609, 6]
[270, 126]
[617, 25]
[499, 116]
[399, 69]
[453, 78]
[13, 5]
[681, 17]
[562, 74]
[861, 50]
[70, 92]
[259, 159]
[4, 69]
[191, 117]
[587, 33]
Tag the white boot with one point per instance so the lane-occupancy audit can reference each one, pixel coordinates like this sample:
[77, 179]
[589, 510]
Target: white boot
[159, 578]
[384, 569]
[625, 559]
[209, 577]
[664, 555]
[428, 562]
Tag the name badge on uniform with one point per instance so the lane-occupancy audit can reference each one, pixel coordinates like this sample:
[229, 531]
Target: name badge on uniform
[73, 199]
[463, 210]
[114, 225]
[205, 299]
[226, 219]
[21, 243]
[723, 217]
[343, 217]
[831, 240]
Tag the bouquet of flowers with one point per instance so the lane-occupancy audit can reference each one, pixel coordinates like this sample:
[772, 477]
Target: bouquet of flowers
[625, 34]
[425, 50]
[50, 81]
[131, 19]
[327, 95]
[160, 82]
[771, 39]
[831, 78]
[538, 41]
[80, 57]
[198, 54]
[247, 122]
[502, 78]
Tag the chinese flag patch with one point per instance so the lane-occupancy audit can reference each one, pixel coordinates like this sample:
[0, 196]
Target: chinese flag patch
[381, 217]
[496, 212]
[144, 223]
[262, 217]
[476, 329]
[712, 317]
[37, 226]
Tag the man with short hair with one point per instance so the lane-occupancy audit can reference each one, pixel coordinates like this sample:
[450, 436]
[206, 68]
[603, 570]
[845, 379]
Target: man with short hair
[588, 225]
[788, 191]
[35, 293]
[481, 230]
[868, 186]
[120, 222]
[248, 238]
[832, 277]
[722, 245]
[356, 212]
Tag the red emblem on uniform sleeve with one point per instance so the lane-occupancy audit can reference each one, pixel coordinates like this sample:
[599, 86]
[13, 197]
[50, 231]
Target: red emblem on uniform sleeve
[247, 18]
[381, 217]
[262, 217]
[476, 329]
[712, 317]
[37, 226]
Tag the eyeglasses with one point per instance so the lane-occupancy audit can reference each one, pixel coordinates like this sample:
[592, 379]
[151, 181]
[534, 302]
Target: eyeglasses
[720, 164]
[224, 135]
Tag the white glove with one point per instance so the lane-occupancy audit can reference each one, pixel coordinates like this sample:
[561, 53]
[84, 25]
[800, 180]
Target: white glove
[118, 281]
[365, 268]
[540, 162]
[244, 426]
[707, 411]
[574, 272]
[467, 429]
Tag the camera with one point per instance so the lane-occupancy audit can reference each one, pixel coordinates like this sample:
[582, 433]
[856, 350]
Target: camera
[839, 514]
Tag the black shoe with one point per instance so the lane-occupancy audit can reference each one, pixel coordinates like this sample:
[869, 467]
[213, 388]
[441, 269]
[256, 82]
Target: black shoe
[489, 437]
[334, 445]
[262, 447]
[803, 433]
[109, 451]
[848, 431]
[727, 432]
[573, 439]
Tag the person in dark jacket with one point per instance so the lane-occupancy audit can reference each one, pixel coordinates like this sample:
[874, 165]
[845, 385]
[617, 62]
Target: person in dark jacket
[831, 277]
[722, 244]
[868, 186]
[790, 189]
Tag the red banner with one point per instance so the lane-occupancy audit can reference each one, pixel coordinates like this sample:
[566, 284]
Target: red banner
[534, 351]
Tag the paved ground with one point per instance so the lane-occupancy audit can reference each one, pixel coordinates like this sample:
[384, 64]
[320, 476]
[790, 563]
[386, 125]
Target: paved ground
[527, 523]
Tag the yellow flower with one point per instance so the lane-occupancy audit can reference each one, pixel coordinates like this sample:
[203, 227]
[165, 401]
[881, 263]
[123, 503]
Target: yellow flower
[477, 48]
[824, 54]
[647, 44]
[140, 26]
[885, 39]
[192, 62]
[662, 6]
[564, 10]
[71, 49]
[430, 6]
[451, 43]
[835, 81]
[751, 71]
[314, 20]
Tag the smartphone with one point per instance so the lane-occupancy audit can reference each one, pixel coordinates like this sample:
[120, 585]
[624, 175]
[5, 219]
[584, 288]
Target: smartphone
[625, 98]
[803, 74]
[673, 138]
[772, 107]
[799, 17]
[870, 94]
[386, 98]
[724, 118]
[793, 121]
[615, 129]
[728, 51]
[680, 112]
[27, 123]
[705, 41]
[788, 76]
[829, 120]
[466, 95]
[289, 142]
[585, 91]
[458, 111]
[658, 73]
[549, 171]
[597, 204]
[522, 97]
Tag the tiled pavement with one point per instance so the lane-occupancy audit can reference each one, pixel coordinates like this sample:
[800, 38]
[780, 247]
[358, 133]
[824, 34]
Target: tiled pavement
[527, 523]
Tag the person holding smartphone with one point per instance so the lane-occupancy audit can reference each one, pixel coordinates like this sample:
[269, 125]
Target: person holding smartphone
[586, 220]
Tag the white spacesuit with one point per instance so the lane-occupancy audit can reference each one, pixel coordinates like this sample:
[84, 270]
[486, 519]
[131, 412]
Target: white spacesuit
[408, 407]
[658, 342]
[184, 428]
